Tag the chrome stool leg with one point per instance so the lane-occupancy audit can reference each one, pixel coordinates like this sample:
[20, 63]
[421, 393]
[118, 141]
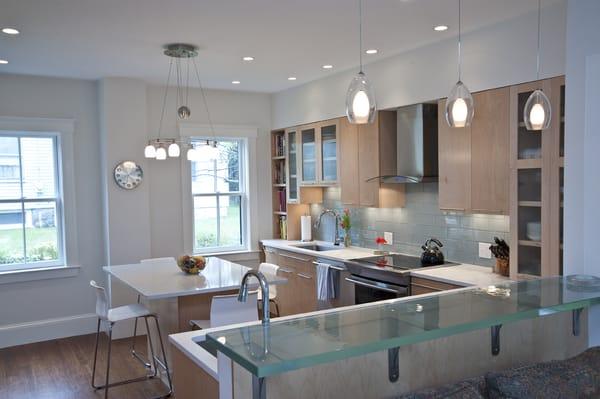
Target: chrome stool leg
[164, 356]
[95, 355]
[134, 353]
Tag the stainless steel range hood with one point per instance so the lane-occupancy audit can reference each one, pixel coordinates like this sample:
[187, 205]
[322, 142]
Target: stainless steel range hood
[416, 147]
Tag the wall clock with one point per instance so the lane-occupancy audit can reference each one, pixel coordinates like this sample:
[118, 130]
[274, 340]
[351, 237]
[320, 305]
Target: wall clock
[128, 175]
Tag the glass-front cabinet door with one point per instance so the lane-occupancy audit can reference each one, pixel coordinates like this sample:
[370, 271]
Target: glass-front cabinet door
[329, 152]
[308, 147]
[292, 165]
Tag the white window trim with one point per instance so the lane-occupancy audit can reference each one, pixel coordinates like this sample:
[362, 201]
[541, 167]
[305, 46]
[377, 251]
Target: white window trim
[64, 130]
[249, 133]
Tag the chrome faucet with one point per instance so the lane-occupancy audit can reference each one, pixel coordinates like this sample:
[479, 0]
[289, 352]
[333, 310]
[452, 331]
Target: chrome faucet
[336, 239]
[264, 288]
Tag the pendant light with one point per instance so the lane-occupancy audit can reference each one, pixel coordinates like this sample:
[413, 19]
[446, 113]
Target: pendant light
[459, 106]
[538, 111]
[360, 98]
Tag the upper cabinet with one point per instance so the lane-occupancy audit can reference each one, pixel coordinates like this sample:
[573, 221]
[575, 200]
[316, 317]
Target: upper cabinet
[368, 151]
[292, 165]
[474, 161]
[319, 149]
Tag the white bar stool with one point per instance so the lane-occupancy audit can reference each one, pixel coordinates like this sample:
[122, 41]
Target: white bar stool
[109, 317]
[135, 354]
[226, 309]
[270, 268]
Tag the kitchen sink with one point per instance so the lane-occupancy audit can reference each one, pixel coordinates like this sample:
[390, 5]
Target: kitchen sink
[317, 247]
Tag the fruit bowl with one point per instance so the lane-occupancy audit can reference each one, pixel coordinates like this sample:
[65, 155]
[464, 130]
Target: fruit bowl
[191, 264]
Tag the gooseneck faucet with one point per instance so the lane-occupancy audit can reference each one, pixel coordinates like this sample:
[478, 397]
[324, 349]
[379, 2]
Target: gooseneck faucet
[264, 288]
[336, 240]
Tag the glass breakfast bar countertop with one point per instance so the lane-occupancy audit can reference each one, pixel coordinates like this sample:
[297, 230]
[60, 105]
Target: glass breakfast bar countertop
[280, 346]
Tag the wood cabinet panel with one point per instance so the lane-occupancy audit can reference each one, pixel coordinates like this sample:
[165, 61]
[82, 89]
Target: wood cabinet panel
[431, 285]
[349, 170]
[454, 149]
[368, 161]
[490, 138]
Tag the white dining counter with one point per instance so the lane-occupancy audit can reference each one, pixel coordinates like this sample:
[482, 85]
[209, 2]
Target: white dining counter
[165, 280]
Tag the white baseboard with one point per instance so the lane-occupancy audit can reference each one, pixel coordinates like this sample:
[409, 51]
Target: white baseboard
[44, 330]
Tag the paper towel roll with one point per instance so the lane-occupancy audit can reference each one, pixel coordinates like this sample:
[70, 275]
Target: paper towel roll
[305, 228]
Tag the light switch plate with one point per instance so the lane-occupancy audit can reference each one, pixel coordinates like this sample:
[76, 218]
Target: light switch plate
[484, 250]
[389, 237]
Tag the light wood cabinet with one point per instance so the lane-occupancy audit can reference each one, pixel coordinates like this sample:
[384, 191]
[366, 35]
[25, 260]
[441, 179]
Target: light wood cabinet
[419, 285]
[368, 151]
[474, 160]
[318, 146]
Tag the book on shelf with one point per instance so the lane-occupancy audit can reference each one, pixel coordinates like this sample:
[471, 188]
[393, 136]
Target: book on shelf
[279, 173]
[282, 200]
[279, 145]
[283, 227]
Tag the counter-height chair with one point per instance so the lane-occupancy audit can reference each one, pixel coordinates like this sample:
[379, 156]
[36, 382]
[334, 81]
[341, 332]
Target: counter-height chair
[226, 309]
[269, 268]
[135, 354]
[108, 317]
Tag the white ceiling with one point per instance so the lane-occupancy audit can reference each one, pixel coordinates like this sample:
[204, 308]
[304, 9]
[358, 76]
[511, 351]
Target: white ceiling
[91, 39]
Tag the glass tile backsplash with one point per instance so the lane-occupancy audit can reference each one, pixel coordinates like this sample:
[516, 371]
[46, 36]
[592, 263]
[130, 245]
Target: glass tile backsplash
[419, 220]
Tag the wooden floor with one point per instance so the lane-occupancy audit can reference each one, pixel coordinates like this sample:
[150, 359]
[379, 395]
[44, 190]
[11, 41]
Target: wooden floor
[61, 369]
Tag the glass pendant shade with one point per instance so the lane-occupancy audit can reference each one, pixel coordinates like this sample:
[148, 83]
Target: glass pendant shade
[192, 154]
[161, 153]
[150, 151]
[537, 113]
[174, 150]
[459, 106]
[360, 100]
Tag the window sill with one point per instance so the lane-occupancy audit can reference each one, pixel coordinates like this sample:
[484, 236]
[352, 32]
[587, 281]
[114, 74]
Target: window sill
[46, 273]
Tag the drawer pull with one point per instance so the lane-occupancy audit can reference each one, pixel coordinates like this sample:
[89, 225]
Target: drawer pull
[304, 276]
[288, 271]
[294, 257]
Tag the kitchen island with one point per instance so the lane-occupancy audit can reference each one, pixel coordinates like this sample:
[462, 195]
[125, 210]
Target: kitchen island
[382, 349]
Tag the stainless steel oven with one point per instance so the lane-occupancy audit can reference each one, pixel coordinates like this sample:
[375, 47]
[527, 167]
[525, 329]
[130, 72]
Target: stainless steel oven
[369, 290]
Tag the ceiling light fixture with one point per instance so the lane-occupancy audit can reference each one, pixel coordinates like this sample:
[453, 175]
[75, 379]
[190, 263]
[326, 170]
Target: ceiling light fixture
[235, 82]
[248, 58]
[459, 105]
[372, 51]
[327, 66]
[440, 28]
[161, 148]
[360, 97]
[538, 111]
[10, 31]
[3, 62]
[292, 78]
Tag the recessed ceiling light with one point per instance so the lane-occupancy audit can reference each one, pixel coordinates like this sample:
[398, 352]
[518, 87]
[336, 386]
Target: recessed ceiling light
[292, 78]
[327, 66]
[440, 28]
[372, 51]
[248, 58]
[10, 31]
[235, 82]
[3, 62]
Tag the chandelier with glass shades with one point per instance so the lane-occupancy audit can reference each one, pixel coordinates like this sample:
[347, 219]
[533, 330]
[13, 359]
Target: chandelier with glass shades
[160, 148]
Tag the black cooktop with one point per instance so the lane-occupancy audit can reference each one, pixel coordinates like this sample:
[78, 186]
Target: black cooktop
[402, 262]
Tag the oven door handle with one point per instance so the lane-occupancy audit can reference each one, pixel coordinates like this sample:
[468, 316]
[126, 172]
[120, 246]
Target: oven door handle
[396, 289]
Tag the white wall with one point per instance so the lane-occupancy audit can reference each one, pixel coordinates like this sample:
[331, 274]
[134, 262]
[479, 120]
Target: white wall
[497, 56]
[582, 142]
[45, 309]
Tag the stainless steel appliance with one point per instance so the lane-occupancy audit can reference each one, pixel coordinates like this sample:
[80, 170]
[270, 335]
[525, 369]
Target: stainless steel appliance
[345, 291]
[383, 277]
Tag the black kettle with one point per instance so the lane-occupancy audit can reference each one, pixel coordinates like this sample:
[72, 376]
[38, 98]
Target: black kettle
[432, 254]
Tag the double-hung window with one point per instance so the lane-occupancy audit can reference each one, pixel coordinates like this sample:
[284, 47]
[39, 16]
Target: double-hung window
[219, 196]
[30, 201]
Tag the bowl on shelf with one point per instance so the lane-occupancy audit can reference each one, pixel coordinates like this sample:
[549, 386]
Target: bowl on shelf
[191, 264]
[534, 231]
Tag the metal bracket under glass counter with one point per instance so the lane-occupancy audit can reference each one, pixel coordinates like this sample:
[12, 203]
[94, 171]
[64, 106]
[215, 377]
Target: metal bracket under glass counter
[291, 344]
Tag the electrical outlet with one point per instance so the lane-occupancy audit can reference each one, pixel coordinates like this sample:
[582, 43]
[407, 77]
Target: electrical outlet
[389, 237]
[484, 250]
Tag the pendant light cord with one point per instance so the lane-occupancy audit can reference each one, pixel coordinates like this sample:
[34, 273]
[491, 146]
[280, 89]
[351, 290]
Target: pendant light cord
[459, 41]
[164, 104]
[539, 38]
[212, 130]
[360, 45]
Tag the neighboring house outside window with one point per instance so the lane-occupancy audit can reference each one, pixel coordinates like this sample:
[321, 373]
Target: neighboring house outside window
[219, 196]
[30, 201]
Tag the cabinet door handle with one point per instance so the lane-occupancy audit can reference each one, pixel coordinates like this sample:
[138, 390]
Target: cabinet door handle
[295, 257]
[487, 210]
[342, 269]
[304, 276]
[288, 271]
[452, 209]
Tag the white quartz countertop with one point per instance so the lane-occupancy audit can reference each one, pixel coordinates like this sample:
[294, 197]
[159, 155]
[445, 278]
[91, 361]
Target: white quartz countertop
[463, 274]
[340, 254]
[166, 280]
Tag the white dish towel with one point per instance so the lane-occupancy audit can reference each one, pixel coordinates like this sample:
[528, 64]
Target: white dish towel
[326, 277]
